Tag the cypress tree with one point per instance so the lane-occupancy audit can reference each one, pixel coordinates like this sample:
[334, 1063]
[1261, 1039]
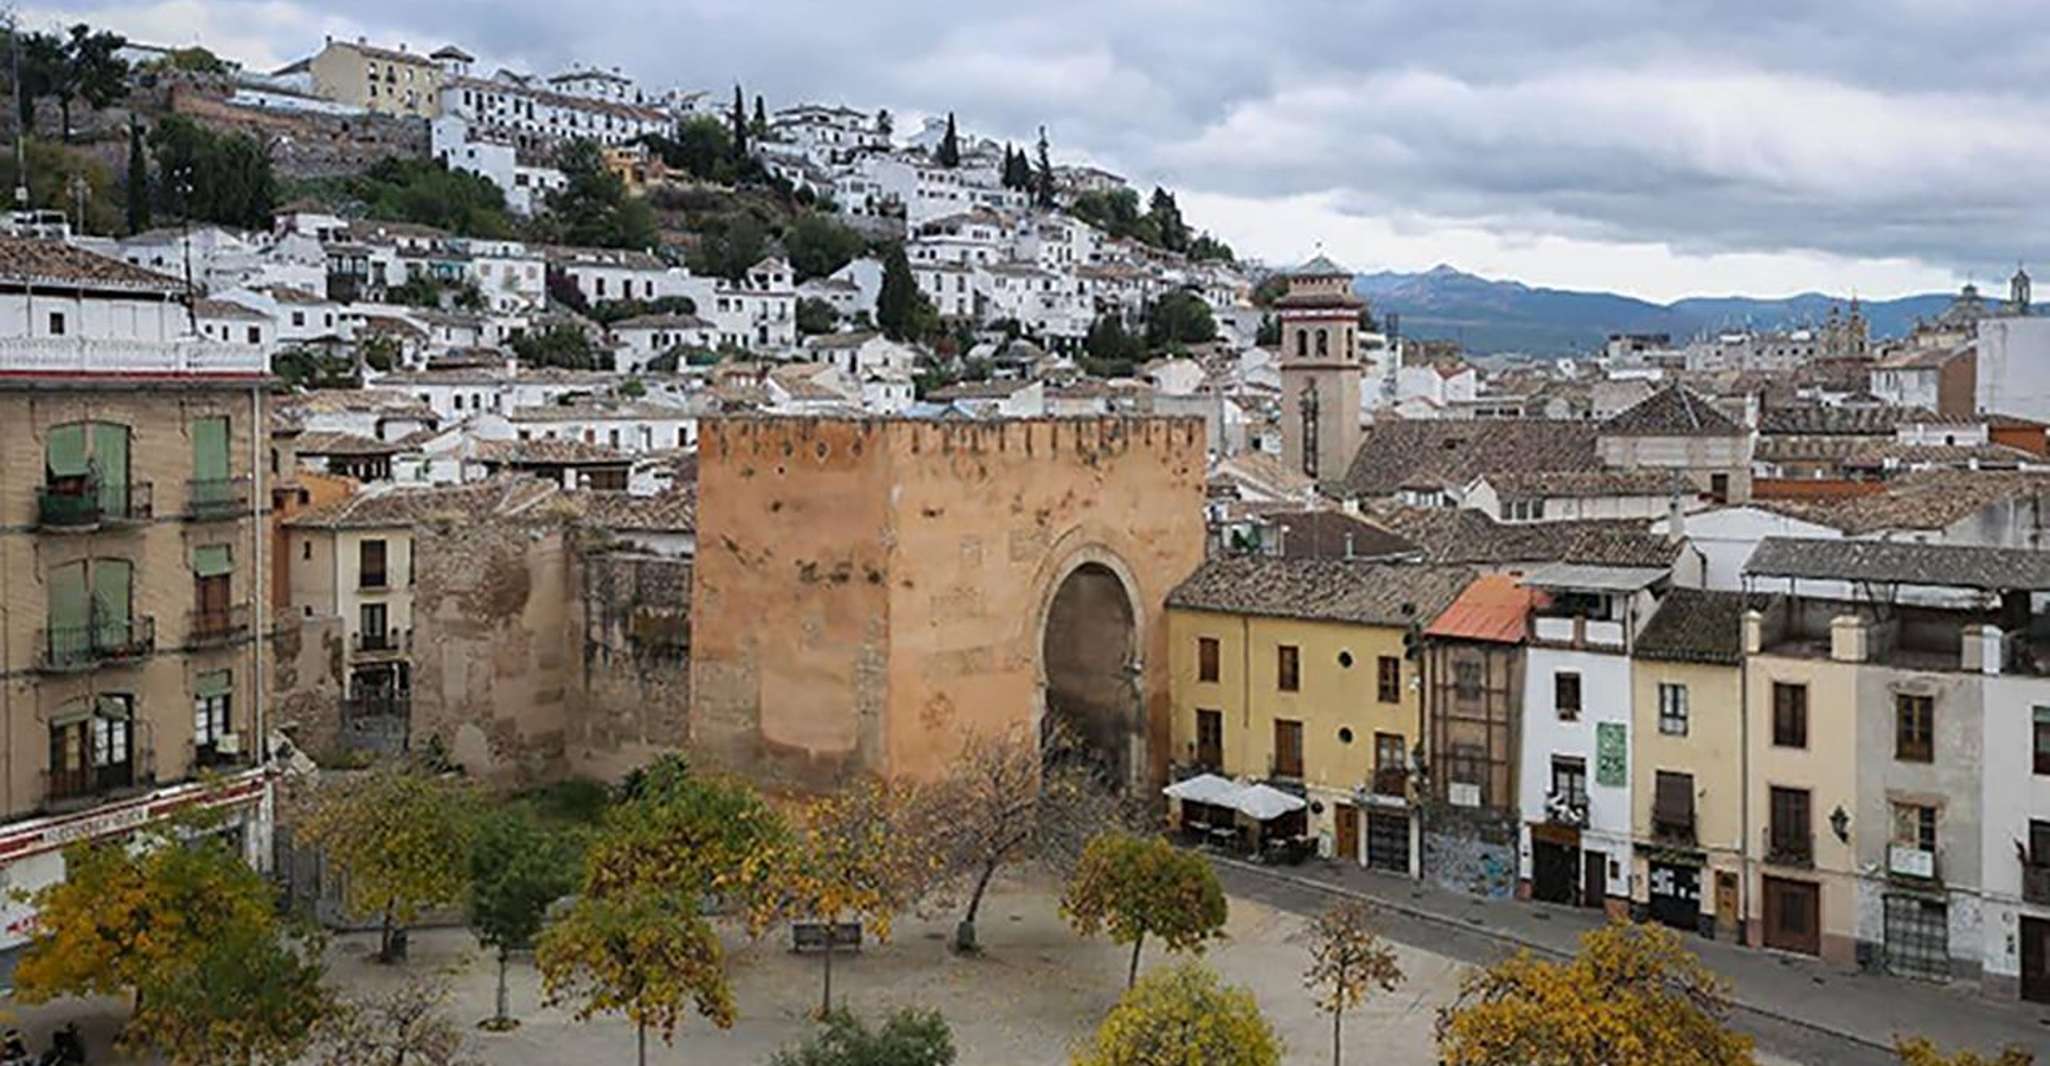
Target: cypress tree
[950, 145]
[138, 179]
[1045, 177]
[739, 124]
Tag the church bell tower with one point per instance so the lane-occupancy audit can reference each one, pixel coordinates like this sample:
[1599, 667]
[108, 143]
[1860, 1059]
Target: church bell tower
[1320, 370]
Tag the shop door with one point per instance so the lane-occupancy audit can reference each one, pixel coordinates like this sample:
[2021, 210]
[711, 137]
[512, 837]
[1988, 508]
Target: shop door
[1917, 938]
[1793, 916]
[1388, 842]
[1555, 871]
[2036, 960]
[1594, 888]
[1346, 819]
[1676, 896]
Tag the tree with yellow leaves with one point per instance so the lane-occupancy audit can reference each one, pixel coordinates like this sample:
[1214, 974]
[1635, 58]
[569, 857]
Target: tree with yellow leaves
[1134, 887]
[401, 839]
[1919, 1051]
[1348, 961]
[645, 954]
[863, 854]
[1632, 997]
[251, 995]
[683, 832]
[1182, 1014]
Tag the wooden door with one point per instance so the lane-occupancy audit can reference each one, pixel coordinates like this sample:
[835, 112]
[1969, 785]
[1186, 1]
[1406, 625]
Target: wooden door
[1346, 817]
[1594, 887]
[2036, 960]
[1552, 871]
[1793, 916]
[1726, 901]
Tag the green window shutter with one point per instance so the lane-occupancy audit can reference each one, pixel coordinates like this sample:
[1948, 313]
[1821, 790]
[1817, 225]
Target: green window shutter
[112, 581]
[64, 450]
[113, 707]
[110, 452]
[72, 713]
[212, 683]
[211, 560]
[66, 591]
[210, 449]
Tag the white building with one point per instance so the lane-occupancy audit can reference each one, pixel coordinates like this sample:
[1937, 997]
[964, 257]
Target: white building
[2014, 367]
[759, 312]
[643, 337]
[861, 353]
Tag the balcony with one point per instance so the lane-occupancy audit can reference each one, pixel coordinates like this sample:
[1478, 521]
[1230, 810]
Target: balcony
[1391, 781]
[1673, 827]
[83, 357]
[69, 649]
[1288, 771]
[1577, 631]
[1788, 847]
[2036, 881]
[1568, 810]
[73, 789]
[215, 627]
[214, 499]
[223, 753]
[90, 505]
[388, 642]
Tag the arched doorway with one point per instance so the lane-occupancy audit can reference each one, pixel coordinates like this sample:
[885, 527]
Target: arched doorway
[1089, 652]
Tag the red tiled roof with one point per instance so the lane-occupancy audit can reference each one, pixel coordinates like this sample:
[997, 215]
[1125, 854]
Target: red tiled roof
[1494, 608]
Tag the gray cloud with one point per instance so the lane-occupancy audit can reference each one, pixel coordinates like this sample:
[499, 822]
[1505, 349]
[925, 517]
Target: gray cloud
[1900, 129]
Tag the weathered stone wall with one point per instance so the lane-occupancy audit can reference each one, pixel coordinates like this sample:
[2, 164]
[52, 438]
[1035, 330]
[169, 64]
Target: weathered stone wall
[306, 685]
[870, 591]
[312, 145]
[491, 665]
[631, 700]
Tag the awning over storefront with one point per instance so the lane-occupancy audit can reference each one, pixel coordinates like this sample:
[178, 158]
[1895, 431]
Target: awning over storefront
[1204, 788]
[1263, 803]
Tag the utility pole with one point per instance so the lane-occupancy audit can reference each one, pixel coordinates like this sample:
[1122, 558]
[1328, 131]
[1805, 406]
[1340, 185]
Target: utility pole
[81, 190]
[20, 127]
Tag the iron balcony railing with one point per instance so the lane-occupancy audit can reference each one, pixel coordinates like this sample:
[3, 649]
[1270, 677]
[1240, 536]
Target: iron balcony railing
[87, 504]
[1391, 781]
[389, 640]
[84, 647]
[216, 498]
[217, 625]
[1789, 847]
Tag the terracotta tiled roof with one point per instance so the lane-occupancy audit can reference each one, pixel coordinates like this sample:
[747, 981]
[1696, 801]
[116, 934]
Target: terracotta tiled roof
[1931, 499]
[1495, 608]
[1696, 625]
[1902, 562]
[545, 451]
[1396, 452]
[45, 262]
[1672, 412]
[1580, 483]
[1335, 535]
[227, 309]
[387, 506]
[673, 511]
[1461, 535]
[1815, 420]
[337, 443]
[1327, 590]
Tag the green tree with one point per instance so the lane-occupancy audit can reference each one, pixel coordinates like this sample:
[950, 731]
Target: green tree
[632, 389]
[1269, 289]
[1108, 342]
[428, 193]
[137, 193]
[251, 994]
[702, 148]
[1208, 249]
[909, 1037]
[401, 840]
[682, 833]
[738, 119]
[561, 344]
[758, 129]
[1348, 961]
[206, 176]
[592, 207]
[42, 73]
[55, 171]
[1630, 986]
[517, 868]
[1183, 1015]
[93, 71]
[645, 954]
[1167, 221]
[197, 60]
[950, 145]
[729, 247]
[310, 368]
[885, 125]
[1133, 887]
[815, 316]
[902, 311]
[817, 245]
[1179, 318]
[1043, 180]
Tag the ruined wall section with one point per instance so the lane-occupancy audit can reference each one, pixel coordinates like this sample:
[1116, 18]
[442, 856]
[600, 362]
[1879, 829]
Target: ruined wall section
[790, 618]
[990, 519]
[491, 665]
[305, 689]
[631, 622]
[869, 591]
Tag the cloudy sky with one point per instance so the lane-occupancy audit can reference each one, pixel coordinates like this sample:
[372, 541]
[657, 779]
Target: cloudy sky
[1660, 149]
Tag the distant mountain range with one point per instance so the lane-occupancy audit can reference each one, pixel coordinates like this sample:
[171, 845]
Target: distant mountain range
[1507, 316]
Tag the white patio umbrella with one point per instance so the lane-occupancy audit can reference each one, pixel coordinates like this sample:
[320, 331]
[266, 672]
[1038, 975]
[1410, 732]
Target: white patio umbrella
[1264, 803]
[1204, 788]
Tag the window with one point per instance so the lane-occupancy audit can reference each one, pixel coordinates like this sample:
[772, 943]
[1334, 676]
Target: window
[1914, 726]
[1390, 753]
[256, 334]
[1789, 715]
[211, 698]
[1672, 804]
[1388, 680]
[2039, 842]
[1566, 695]
[1288, 748]
[1210, 739]
[370, 564]
[1914, 826]
[306, 551]
[56, 323]
[1719, 488]
[1206, 658]
[1466, 680]
[1569, 780]
[2042, 740]
[1673, 710]
[1288, 668]
[374, 634]
[1789, 838]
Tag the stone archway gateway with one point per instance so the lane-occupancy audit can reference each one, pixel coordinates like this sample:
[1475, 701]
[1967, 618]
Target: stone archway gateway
[1090, 667]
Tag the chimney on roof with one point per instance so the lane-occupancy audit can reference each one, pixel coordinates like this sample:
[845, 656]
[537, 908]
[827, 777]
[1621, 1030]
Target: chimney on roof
[1676, 518]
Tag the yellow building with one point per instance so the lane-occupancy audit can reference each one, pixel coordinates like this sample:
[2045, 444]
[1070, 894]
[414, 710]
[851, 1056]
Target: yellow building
[385, 81]
[1296, 672]
[1801, 695]
[1687, 719]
